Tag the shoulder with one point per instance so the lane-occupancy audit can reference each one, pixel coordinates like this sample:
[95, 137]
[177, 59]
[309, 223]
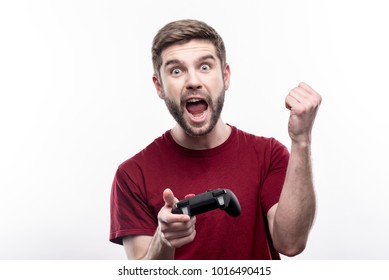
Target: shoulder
[152, 150]
[258, 141]
[266, 150]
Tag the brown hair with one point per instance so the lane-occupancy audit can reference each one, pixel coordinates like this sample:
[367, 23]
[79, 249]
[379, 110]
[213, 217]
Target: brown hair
[181, 32]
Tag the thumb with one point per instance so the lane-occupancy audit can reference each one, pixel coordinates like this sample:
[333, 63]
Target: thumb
[168, 197]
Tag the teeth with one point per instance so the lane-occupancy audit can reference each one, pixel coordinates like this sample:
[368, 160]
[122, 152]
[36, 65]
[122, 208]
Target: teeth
[194, 100]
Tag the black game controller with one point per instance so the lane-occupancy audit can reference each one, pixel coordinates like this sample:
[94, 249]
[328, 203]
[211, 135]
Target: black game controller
[223, 199]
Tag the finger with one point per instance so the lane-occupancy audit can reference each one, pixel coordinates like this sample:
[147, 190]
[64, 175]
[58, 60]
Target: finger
[177, 234]
[294, 97]
[300, 94]
[170, 235]
[291, 102]
[179, 242]
[183, 224]
[169, 198]
[300, 99]
[176, 221]
[316, 96]
[307, 88]
[166, 217]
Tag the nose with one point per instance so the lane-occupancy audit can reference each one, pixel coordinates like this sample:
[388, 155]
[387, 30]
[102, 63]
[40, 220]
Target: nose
[193, 82]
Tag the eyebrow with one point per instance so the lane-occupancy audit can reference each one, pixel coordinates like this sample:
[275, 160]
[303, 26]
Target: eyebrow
[170, 62]
[177, 61]
[206, 57]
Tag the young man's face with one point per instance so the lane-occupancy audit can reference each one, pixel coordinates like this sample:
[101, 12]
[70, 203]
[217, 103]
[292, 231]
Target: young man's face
[192, 83]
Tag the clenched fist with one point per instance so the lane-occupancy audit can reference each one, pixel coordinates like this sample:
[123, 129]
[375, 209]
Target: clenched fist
[303, 103]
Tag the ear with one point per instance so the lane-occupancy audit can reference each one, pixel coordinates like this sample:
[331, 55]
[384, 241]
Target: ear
[158, 86]
[226, 76]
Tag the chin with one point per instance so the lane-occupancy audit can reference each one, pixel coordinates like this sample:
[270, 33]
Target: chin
[198, 131]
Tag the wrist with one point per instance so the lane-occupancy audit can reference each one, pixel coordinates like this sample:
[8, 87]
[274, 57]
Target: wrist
[301, 140]
[301, 144]
[159, 248]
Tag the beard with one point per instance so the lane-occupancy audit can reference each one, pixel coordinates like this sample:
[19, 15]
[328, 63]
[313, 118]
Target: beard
[177, 111]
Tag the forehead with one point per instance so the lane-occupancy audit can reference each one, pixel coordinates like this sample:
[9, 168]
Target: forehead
[188, 52]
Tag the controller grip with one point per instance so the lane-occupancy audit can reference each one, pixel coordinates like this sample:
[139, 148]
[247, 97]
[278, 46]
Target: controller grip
[232, 205]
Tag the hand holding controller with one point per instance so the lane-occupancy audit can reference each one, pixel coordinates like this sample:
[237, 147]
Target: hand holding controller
[223, 199]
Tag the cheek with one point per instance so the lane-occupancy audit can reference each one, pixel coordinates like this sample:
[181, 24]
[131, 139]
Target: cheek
[216, 84]
[173, 87]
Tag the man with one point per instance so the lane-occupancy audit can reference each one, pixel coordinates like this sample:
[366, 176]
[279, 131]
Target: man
[201, 152]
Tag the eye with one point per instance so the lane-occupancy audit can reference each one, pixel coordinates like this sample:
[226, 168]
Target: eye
[205, 67]
[176, 71]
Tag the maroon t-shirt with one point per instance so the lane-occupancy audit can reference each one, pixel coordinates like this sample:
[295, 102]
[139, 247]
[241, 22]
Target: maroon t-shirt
[252, 167]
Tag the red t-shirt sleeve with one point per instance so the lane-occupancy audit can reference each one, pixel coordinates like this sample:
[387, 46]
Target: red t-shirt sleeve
[275, 177]
[130, 212]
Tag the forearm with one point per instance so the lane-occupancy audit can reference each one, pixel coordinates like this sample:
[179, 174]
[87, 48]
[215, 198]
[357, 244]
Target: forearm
[143, 247]
[297, 205]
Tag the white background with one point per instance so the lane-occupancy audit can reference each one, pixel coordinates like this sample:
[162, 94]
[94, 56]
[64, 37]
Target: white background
[77, 99]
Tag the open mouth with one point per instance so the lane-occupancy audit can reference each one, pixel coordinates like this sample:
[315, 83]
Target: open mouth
[196, 107]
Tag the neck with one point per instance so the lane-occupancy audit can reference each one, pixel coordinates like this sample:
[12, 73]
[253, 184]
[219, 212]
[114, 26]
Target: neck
[216, 137]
